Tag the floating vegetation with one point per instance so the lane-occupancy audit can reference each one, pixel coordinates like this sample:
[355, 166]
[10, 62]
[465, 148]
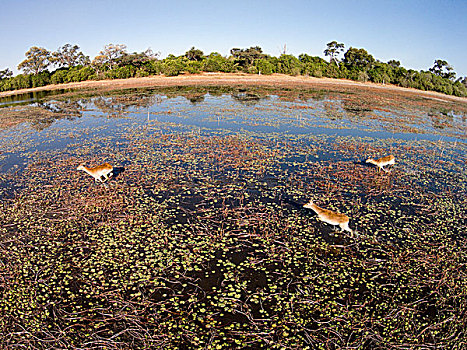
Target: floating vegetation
[200, 238]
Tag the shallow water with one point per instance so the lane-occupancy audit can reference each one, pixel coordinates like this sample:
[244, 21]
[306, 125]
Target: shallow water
[202, 225]
[240, 113]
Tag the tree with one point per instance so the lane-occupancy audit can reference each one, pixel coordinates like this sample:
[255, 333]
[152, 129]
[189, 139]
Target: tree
[69, 56]
[313, 65]
[98, 63]
[6, 73]
[289, 64]
[37, 60]
[194, 54]
[151, 55]
[137, 60]
[394, 63]
[215, 62]
[110, 55]
[358, 58]
[334, 49]
[463, 81]
[381, 73]
[264, 66]
[245, 57]
[443, 69]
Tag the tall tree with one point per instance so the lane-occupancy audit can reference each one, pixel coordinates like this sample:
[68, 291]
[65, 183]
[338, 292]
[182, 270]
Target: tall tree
[358, 58]
[463, 81]
[151, 54]
[246, 57]
[98, 63]
[6, 73]
[194, 54]
[443, 69]
[37, 60]
[111, 54]
[333, 50]
[69, 56]
[137, 59]
[394, 63]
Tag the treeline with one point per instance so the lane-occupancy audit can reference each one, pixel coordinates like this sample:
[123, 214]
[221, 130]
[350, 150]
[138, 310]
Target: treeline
[68, 64]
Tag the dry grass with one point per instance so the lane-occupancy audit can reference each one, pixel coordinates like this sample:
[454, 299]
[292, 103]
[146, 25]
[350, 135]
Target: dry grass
[235, 79]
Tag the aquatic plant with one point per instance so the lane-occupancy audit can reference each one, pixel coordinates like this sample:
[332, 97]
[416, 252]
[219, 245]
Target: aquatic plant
[200, 239]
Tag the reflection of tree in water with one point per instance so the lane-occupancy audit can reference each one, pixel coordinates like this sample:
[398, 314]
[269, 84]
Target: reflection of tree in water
[441, 119]
[195, 98]
[317, 96]
[108, 105]
[334, 109]
[116, 106]
[138, 100]
[41, 124]
[248, 98]
[356, 107]
[56, 110]
[70, 109]
[28, 98]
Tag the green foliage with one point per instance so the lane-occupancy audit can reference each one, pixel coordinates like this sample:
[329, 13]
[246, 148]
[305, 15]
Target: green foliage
[194, 54]
[313, 65]
[459, 89]
[69, 56]
[115, 63]
[172, 66]
[265, 66]
[288, 64]
[74, 74]
[215, 62]
[333, 50]
[358, 59]
[6, 73]
[394, 63]
[59, 76]
[443, 69]
[21, 81]
[381, 73]
[245, 57]
[135, 59]
[124, 72]
[37, 60]
[153, 67]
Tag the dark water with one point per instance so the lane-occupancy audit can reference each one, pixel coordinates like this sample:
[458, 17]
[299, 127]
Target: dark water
[28, 98]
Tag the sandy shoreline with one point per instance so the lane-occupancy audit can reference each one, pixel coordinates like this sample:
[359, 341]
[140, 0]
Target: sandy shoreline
[235, 79]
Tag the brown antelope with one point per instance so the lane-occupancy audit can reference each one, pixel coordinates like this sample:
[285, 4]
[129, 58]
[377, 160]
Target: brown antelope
[330, 217]
[388, 160]
[104, 170]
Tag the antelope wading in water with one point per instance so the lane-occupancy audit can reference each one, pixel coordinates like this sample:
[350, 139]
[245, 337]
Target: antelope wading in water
[104, 170]
[331, 217]
[388, 160]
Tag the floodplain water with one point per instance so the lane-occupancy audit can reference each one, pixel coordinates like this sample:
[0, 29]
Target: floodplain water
[202, 225]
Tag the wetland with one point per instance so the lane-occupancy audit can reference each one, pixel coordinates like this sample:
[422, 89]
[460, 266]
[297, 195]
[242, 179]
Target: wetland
[200, 238]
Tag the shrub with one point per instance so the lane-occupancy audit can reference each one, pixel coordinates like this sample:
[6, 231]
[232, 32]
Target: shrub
[172, 67]
[289, 64]
[263, 66]
[215, 62]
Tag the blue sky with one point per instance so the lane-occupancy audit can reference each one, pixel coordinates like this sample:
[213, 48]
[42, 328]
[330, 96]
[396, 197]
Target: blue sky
[413, 32]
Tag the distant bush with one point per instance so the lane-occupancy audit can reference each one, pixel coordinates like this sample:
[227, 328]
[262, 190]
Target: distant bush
[215, 62]
[172, 66]
[264, 66]
[288, 64]
[124, 72]
[193, 67]
[74, 74]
